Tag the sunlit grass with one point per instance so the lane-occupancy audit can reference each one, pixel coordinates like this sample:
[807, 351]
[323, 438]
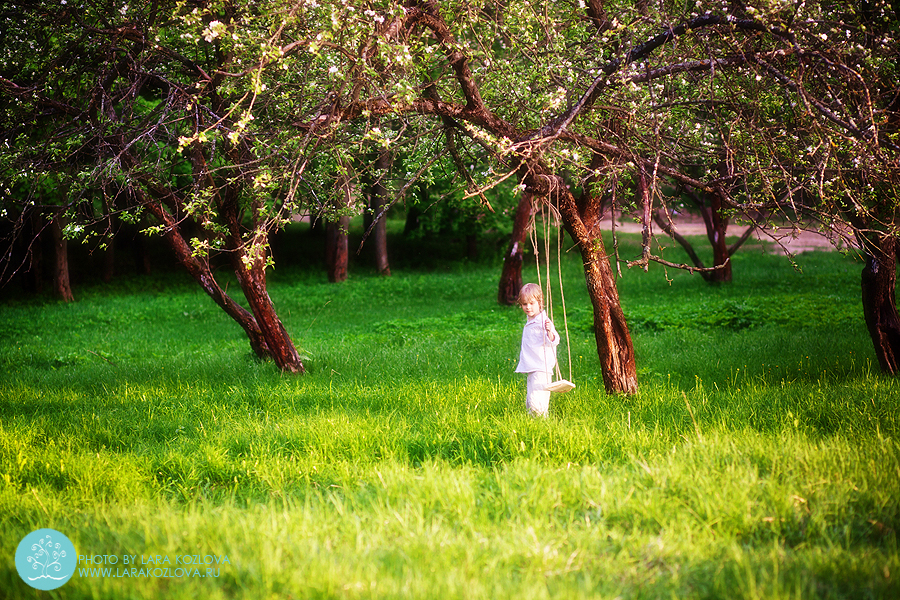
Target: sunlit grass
[757, 461]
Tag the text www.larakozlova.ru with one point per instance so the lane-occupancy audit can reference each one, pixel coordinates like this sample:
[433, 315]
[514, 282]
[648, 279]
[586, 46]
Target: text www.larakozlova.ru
[153, 565]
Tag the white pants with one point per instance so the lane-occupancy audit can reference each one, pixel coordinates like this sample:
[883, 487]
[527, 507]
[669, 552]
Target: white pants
[537, 400]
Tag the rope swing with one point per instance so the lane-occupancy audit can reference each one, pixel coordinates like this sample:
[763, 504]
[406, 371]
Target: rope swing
[560, 385]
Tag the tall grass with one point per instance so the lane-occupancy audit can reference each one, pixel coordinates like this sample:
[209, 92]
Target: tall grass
[758, 460]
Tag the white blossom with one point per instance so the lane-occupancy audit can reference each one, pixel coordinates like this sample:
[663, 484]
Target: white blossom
[214, 30]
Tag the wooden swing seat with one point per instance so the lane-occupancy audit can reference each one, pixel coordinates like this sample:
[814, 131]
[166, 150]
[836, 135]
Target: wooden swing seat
[561, 386]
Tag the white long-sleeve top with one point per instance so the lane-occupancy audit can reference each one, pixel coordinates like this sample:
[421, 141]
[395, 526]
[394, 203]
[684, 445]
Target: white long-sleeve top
[538, 352]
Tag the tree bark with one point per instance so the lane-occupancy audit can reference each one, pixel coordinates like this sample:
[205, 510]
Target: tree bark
[61, 282]
[669, 229]
[252, 277]
[716, 229]
[614, 346]
[337, 256]
[511, 276]
[879, 279]
[249, 259]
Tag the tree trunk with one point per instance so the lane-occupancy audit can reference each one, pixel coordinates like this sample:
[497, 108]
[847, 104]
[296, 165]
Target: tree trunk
[412, 217]
[716, 229]
[249, 258]
[279, 347]
[669, 228]
[614, 346]
[879, 278]
[511, 276]
[253, 283]
[472, 246]
[34, 247]
[377, 196]
[337, 256]
[60, 261]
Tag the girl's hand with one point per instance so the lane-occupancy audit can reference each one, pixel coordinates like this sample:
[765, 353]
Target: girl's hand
[548, 327]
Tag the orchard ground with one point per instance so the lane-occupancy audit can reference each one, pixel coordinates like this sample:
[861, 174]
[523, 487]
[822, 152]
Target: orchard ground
[759, 459]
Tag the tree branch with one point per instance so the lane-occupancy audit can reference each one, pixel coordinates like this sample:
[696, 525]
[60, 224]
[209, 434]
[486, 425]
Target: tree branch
[642, 262]
[590, 95]
[669, 229]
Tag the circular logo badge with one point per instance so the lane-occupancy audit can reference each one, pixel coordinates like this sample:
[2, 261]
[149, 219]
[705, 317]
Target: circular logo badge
[45, 559]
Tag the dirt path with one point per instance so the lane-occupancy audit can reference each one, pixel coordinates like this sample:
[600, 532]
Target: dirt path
[782, 241]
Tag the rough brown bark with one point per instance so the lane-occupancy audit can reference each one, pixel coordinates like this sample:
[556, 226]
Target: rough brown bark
[668, 228]
[716, 224]
[614, 346]
[252, 277]
[597, 15]
[61, 283]
[511, 276]
[879, 279]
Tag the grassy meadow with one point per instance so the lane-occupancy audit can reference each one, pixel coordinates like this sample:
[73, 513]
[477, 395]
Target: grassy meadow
[760, 458]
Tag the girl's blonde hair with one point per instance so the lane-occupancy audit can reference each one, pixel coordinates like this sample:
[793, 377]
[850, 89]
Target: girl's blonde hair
[531, 291]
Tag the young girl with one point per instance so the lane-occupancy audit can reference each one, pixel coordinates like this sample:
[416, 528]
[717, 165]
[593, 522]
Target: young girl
[537, 357]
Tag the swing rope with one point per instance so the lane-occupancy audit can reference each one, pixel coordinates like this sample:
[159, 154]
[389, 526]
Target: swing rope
[545, 219]
[562, 296]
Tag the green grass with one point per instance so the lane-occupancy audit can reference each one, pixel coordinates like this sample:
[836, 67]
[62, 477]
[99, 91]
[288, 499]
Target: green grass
[760, 458]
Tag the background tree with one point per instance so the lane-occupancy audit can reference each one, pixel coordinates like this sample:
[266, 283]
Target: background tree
[716, 221]
[156, 102]
[377, 204]
[814, 143]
